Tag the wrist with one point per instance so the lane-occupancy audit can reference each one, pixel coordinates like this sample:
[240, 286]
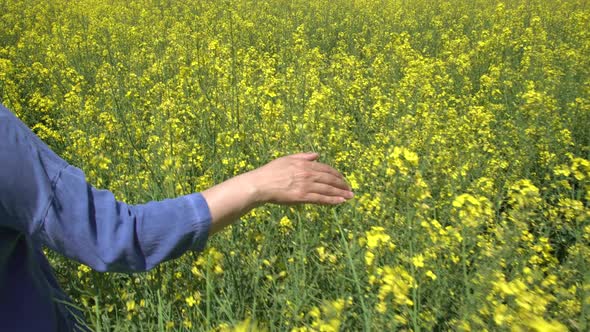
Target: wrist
[252, 189]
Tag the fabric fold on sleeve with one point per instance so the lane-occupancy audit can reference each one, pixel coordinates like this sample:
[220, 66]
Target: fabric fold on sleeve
[89, 225]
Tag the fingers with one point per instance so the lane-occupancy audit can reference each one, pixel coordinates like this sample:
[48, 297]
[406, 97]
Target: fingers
[319, 167]
[326, 200]
[328, 190]
[332, 180]
[310, 156]
[327, 176]
[325, 188]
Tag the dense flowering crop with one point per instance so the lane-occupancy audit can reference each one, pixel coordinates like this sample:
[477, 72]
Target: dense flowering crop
[463, 127]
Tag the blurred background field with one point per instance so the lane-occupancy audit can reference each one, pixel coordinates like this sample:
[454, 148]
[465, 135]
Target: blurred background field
[463, 127]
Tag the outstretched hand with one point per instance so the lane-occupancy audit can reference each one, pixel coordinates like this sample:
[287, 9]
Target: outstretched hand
[293, 179]
[297, 179]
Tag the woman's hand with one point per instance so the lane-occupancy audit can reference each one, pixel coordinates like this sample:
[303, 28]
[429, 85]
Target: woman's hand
[297, 179]
[293, 179]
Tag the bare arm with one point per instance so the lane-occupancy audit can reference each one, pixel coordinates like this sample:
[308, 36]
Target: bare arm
[294, 179]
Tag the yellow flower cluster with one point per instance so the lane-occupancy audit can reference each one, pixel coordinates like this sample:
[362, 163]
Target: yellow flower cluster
[326, 318]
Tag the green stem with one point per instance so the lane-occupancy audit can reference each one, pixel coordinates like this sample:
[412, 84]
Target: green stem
[366, 313]
[97, 313]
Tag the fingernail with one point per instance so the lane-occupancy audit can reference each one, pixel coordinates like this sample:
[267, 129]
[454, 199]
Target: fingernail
[349, 194]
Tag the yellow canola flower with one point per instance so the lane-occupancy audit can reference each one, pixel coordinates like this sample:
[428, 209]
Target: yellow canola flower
[83, 269]
[539, 324]
[130, 305]
[193, 299]
[410, 157]
[418, 261]
[352, 180]
[327, 317]
[401, 160]
[190, 300]
[285, 225]
[369, 258]
[431, 275]
[374, 240]
[376, 237]
[472, 210]
[395, 281]
[581, 169]
[524, 194]
[244, 326]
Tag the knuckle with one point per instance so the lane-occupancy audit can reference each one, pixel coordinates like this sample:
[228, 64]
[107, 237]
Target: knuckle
[304, 175]
[336, 201]
[337, 192]
[299, 163]
[299, 194]
[329, 201]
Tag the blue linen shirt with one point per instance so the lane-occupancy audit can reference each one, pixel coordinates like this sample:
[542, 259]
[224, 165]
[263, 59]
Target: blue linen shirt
[44, 201]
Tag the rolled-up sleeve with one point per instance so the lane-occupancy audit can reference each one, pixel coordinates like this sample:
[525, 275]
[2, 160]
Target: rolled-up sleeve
[91, 226]
[51, 201]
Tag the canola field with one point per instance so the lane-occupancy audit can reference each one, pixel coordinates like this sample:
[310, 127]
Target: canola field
[463, 127]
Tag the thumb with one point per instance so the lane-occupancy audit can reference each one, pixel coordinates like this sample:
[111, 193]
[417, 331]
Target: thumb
[311, 156]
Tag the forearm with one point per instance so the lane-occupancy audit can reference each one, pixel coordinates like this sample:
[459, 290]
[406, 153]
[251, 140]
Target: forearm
[230, 200]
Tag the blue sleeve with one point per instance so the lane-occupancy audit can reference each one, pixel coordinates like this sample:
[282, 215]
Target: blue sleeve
[45, 198]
